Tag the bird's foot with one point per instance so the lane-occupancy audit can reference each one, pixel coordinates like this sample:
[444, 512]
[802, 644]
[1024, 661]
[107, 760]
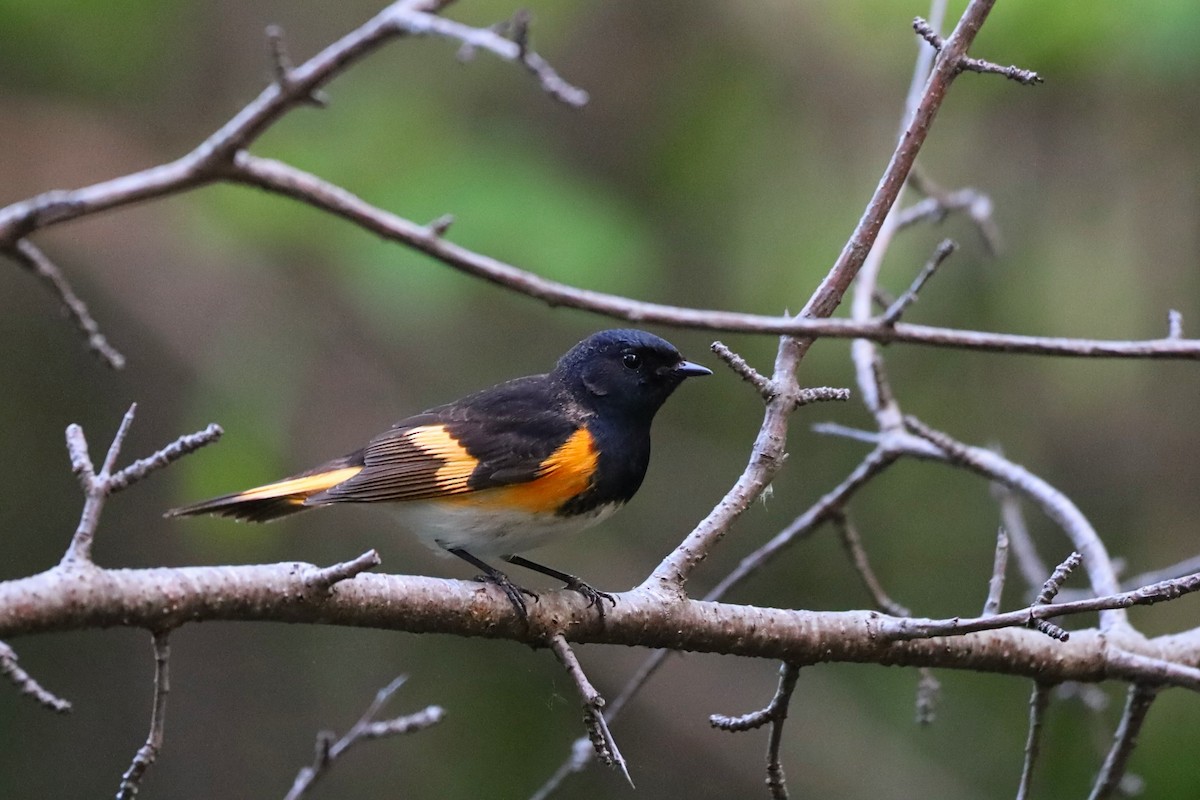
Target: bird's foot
[595, 598]
[515, 593]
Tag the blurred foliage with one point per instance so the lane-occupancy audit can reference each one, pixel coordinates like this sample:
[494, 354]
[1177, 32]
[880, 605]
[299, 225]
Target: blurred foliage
[727, 153]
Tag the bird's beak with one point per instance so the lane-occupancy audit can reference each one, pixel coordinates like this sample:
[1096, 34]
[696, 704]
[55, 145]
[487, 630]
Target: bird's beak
[686, 369]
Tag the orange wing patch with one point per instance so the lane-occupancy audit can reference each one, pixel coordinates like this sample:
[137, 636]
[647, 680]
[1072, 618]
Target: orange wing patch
[567, 472]
[457, 464]
[297, 489]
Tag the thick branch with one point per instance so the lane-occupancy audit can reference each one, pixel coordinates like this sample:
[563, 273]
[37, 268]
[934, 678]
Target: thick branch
[64, 599]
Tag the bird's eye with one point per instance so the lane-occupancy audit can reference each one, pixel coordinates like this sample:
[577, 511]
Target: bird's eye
[631, 360]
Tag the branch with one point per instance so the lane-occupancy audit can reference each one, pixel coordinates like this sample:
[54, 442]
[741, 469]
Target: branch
[906, 628]
[944, 250]
[776, 714]
[601, 738]
[999, 565]
[28, 255]
[852, 543]
[1033, 741]
[929, 689]
[1024, 76]
[131, 781]
[1054, 503]
[97, 487]
[27, 684]
[367, 728]
[1137, 703]
[72, 599]
[212, 159]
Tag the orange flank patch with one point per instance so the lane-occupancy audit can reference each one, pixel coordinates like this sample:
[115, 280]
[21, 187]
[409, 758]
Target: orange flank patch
[457, 463]
[296, 489]
[567, 472]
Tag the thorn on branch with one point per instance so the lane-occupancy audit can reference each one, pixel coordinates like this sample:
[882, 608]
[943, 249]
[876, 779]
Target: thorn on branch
[517, 29]
[943, 251]
[509, 40]
[27, 684]
[28, 255]
[282, 65]
[328, 750]
[325, 578]
[438, 227]
[601, 738]
[1174, 324]
[1026, 77]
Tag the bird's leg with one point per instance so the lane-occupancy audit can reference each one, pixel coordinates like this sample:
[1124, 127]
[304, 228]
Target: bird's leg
[593, 596]
[493, 575]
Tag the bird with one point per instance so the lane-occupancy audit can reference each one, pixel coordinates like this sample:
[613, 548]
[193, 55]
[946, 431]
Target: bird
[505, 469]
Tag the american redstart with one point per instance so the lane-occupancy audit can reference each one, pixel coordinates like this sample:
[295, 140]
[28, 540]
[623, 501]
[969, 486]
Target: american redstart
[507, 468]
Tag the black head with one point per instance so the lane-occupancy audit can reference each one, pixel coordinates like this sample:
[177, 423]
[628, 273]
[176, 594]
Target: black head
[625, 370]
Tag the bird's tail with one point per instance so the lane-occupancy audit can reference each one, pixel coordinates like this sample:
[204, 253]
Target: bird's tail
[275, 500]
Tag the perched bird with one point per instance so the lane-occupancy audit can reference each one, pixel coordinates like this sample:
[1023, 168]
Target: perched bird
[505, 469]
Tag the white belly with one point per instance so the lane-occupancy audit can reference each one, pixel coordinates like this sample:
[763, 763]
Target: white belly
[489, 531]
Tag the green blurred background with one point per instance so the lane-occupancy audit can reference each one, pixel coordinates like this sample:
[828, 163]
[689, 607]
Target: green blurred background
[726, 154]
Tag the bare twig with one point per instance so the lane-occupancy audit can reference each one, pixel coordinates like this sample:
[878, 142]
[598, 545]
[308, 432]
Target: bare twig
[131, 781]
[775, 713]
[188, 443]
[1050, 591]
[805, 524]
[28, 255]
[943, 251]
[908, 628]
[743, 370]
[1054, 583]
[999, 566]
[852, 543]
[1038, 700]
[26, 683]
[819, 512]
[212, 159]
[1012, 519]
[1155, 671]
[603, 743]
[938, 205]
[821, 394]
[324, 579]
[766, 457]
[1024, 76]
[511, 49]
[1137, 703]
[1056, 505]
[97, 487]
[441, 225]
[929, 690]
[328, 750]
[868, 363]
